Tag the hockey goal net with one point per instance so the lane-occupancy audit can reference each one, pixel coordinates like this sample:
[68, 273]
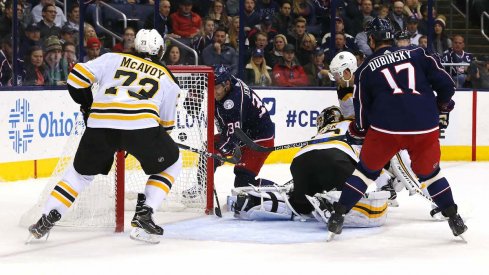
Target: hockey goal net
[104, 201]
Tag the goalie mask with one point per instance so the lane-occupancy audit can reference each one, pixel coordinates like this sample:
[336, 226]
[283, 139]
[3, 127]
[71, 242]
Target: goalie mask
[329, 115]
[149, 41]
[341, 62]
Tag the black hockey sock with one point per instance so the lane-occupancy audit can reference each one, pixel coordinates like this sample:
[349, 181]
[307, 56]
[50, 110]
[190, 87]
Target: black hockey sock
[441, 193]
[352, 192]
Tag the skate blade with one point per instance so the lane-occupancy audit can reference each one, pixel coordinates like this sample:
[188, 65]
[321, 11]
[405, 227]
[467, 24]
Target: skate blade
[393, 203]
[138, 234]
[32, 237]
[330, 237]
[461, 236]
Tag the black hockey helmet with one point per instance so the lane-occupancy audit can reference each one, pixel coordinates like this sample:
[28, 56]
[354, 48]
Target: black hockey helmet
[403, 35]
[329, 115]
[380, 29]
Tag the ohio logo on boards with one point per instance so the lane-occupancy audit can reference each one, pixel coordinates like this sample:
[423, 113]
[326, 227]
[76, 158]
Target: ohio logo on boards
[21, 122]
[269, 103]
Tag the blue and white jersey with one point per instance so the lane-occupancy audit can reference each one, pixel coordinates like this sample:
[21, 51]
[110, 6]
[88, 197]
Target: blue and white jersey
[242, 108]
[394, 91]
[449, 56]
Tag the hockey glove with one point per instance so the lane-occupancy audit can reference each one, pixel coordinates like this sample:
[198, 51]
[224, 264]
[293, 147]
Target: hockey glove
[85, 110]
[354, 135]
[444, 116]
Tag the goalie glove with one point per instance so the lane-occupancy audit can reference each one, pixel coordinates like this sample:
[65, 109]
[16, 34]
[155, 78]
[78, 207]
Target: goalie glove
[444, 115]
[354, 135]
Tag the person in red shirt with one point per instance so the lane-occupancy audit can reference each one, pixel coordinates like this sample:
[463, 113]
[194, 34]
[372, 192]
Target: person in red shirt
[288, 72]
[185, 23]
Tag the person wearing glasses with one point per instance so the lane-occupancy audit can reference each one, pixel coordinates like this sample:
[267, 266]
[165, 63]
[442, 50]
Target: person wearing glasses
[37, 13]
[47, 25]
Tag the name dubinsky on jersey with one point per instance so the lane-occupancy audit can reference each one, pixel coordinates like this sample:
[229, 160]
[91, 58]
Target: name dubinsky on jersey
[133, 93]
[394, 91]
[331, 130]
[242, 108]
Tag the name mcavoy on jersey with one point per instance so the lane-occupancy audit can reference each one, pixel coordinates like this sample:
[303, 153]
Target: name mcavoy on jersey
[388, 59]
[141, 66]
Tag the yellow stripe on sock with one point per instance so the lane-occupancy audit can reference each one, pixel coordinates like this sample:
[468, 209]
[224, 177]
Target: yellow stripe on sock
[158, 185]
[68, 188]
[62, 199]
[168, 177]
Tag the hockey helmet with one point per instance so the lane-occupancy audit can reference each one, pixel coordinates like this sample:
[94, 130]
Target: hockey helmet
[403, 35]
[341, 62]
[380, 29]
[149, 41]
[329, 115]
[221, 74]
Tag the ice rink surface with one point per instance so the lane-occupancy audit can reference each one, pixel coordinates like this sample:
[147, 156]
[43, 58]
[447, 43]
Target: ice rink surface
[410, 242]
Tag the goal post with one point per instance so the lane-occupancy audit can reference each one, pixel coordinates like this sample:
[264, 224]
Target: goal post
[104, 202]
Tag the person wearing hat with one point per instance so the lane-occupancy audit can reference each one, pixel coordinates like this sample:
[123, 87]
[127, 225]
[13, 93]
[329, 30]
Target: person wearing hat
[316, 69]
[288, 72]
[412, 28]
[257, 72]
[57, 68]
[441, 42]
[31, 37]
[185, 22]
[93, 49]
[67, 34]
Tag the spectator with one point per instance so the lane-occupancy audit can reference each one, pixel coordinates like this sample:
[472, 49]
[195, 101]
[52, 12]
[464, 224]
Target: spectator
[46, 25]
[165, 26]
[316, 70]
[276, 53]
[413, 8]
[287, 72]
[267, 8]
[305, 9]
[340, 45]
[383, 11]
[74, 17]
[397, 16]
[6, 58]
[260, 42]
[32, 38]
[265, 27]
[93, 48]
[423, 22]
[232, 7]
[67, 34]
[233, 33]
[366, 9]
[89, 32]
[257, 71]
[6, 19]
[38, 10]
[127, 44]
[172, 56]
[206, 36]
[441, 42]
[251, 16]
[457, 55]
[478, 72]
[220, 53]
[36, 73]
[412, 28]
[423, 41]
[57, 69]
[361, 40]
[340, 28]
[298, 33]
[304, 53]
[69, 54]
[219, 14]
[283, 21]
[185, 22]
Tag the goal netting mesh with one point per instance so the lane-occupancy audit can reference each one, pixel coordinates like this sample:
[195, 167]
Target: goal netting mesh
[96, 205]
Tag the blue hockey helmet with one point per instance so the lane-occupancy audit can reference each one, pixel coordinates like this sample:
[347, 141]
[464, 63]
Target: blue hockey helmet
[221, 74]
[380, 29]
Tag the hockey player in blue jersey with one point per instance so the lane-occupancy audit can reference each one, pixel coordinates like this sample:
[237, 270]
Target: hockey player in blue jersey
[396, 108]
[237, 106]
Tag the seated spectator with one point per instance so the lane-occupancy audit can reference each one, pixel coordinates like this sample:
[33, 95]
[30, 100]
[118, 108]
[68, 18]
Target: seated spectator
[257, 72]
[32, 38]
[127, 44]
[304, 53]
[287, 72]
[172, 56]
[37, 13]
[478, 72]
[88, 33]
[267, 8]
[298, 32]
[219, 14]
[251, 16]
[457, 55]
[46, 25]
[233, 33]
[6, 18]
[206, 36]
[306, 9]
[73, 17]
[165, 26]
[264, 27]
[276, 53]
[413, 8]
[185, 22]
[57, 69]
[397, 16]
[423, 21]
[316, 70]
[340, 45]
[340, 28]
[441, 42]
[94, 49]
[36, 73]
[220, 53]
[382, 11]
[232, 7]
[423, 41]
[260, 42]
[283, 21]
[6, 65]
[69, 55]
[67, 34]
[412, 28]
[361, 40]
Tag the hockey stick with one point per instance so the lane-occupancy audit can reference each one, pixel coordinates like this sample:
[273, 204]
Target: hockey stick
[256, 147]
[233, 159]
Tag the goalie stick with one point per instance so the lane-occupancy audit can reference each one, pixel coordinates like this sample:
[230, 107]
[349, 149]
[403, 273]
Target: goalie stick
[233, 159]
[256, 147]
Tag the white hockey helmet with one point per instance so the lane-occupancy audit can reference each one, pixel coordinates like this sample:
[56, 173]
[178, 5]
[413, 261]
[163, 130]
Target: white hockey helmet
[149, 41]
[341, 62]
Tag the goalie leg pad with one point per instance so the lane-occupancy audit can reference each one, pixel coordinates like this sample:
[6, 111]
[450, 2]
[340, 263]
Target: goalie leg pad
[249, 204]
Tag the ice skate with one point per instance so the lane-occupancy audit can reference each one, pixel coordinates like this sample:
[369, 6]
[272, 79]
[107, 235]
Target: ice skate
[392, 201]
[144, 228]
[455, 222]
[43, 225]
[335, 222]
[322, 207]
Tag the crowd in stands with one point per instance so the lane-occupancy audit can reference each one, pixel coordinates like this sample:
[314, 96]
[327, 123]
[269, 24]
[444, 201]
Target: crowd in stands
[287, 42]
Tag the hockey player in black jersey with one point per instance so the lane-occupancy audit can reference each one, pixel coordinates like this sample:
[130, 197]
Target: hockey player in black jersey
[396, 108]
